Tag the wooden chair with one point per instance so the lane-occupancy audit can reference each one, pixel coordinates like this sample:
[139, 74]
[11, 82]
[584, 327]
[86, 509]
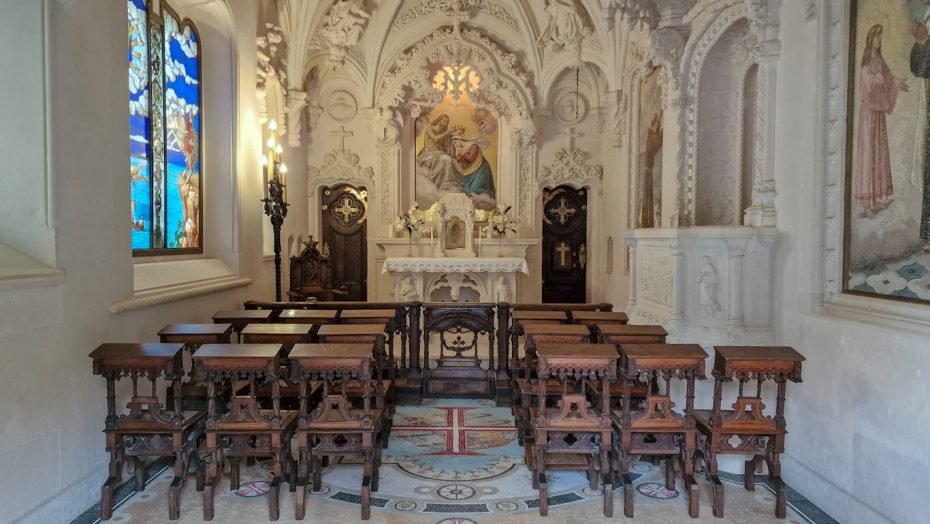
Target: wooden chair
[312, 276]
[336, 428]
[245, 430]
[522, 385]
[148, 429]
[745, 429]
[573, 426]
[657, 429]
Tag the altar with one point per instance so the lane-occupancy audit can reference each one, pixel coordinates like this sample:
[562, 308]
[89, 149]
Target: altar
[452, 257]
[440, 279]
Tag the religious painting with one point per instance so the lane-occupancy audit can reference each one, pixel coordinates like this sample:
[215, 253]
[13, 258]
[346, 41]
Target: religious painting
[649, 162]
[887, 235]
[456, 152]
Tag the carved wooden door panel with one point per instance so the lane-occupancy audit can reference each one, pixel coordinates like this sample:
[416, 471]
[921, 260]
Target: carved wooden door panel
[564, 244]
[345, 237]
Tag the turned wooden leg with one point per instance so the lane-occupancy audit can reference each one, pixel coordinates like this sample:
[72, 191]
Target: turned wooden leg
[773, 461]
[375, 475]
[213, 472]
[303, 474]
[138, 471]
[628, 491]
[592, 474]
[274, 502]
[113, 480]
[749, 472]
[541, 479]
[606, 481]
[712, 471]
[670, 474]
[366, 486]
[317, 474]
[687, 473]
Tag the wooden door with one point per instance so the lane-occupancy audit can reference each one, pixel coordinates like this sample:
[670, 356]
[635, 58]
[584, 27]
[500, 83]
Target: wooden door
[564, 244]
[345, 237]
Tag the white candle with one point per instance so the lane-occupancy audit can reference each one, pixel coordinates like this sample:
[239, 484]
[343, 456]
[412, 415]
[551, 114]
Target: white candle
[431, 235]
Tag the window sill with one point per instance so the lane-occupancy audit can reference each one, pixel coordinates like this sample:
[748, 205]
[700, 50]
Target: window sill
[157, 283]
[20, 271]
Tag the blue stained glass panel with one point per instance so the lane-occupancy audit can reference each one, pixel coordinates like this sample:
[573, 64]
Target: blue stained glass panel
[140, 203]
[183, 125]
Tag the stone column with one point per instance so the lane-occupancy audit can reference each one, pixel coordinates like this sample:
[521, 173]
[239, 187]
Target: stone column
[678, 281]
[761, 212]
[634, 274]
[737, 251]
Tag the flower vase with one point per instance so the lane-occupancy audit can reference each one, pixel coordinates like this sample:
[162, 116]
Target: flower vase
[500, 245]
[410, 244]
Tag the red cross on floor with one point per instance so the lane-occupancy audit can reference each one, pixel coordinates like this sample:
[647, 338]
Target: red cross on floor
[455, 430]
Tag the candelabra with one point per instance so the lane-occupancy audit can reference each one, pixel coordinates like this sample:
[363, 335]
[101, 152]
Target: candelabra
[274, 173]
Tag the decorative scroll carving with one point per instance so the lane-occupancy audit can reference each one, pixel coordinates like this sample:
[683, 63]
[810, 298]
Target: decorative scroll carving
[339, 165]
[570, 164]
[427, 7]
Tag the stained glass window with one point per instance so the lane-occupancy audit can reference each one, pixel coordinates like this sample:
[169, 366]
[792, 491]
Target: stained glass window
[165, 131]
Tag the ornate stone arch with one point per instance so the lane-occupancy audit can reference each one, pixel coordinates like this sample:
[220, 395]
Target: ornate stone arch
[340, 166]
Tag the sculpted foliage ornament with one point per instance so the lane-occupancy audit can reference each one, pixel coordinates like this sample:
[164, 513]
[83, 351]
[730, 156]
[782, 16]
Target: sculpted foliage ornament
[428, 7]
[570, 164]
[339, 165]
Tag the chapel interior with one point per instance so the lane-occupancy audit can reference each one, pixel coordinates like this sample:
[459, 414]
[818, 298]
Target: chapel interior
[464, 261]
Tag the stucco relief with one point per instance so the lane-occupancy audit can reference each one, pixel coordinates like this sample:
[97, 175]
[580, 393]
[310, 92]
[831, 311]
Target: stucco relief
[339, 165]
[570, 164]
[656, 278]
[427, 7]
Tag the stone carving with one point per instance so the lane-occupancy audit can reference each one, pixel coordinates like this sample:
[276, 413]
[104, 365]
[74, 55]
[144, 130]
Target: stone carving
[408, 293]
[667, 45]
[570, 107]
[343, 26]
[564, 28]
[570, 164]
[505, 85]
[639, 14]
[296, 102]
[340, 165]
[386, 153]
[656, 278]
[708, 280]
[764, 18]
[341, 106]
[615, 123]
[385, 127]
[427, 7]
[502, 290]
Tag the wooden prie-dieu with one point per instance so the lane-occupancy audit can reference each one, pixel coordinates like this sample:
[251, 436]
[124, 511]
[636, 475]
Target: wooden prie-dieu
[745, 429]
[341, 424]
[573, 426]
[656, 428]
[245, 430]
[148, 430]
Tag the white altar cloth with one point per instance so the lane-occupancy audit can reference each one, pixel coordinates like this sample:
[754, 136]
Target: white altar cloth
[454, 265]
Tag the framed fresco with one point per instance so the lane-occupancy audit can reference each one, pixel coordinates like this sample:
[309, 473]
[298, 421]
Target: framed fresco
[456, 152]
[887, 226]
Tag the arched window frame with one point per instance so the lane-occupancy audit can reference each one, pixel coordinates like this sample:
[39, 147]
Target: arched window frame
[156, 135]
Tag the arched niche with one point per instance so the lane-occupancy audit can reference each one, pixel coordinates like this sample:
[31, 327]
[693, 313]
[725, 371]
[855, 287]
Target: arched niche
[725, 100]
[405, 90]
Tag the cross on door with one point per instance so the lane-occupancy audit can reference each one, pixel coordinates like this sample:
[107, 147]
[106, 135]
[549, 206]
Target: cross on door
[346, 210]
[563, 250]
[564, 211]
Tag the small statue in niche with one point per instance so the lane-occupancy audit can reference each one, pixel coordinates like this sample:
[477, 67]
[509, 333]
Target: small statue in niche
[408, 292]
[708, 280]
[502, 290]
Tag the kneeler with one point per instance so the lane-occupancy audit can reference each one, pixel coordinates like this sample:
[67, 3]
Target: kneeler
[148, 430]
[334, 428]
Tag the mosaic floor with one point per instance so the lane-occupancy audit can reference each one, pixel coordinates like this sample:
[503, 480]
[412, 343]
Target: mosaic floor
[456, 462]
[909, 278]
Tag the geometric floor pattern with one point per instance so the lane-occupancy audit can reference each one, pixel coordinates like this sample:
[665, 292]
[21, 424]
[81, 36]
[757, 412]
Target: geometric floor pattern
[455, 462]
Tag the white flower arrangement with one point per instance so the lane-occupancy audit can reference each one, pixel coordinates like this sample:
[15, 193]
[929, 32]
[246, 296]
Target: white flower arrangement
[500, 222]
[411, 221]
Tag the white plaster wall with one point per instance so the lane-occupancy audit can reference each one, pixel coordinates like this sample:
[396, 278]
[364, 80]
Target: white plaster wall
[53, 407]
[859, 443]
[24, 220]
